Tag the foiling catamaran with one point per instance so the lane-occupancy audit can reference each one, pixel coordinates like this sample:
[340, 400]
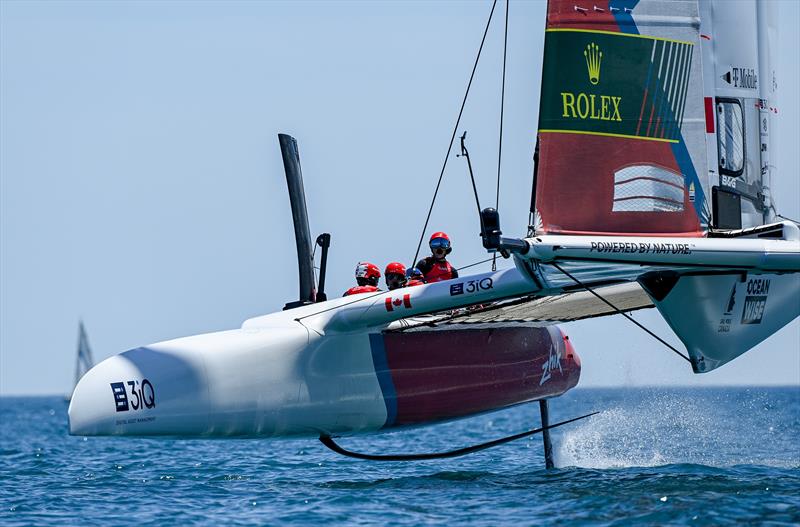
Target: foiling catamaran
[652, 187]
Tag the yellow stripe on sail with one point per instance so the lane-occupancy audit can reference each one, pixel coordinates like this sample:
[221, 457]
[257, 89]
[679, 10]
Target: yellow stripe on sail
[625, 136]
[615, 33]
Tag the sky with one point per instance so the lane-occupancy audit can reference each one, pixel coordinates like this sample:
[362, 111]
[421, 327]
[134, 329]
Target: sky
[142, 188]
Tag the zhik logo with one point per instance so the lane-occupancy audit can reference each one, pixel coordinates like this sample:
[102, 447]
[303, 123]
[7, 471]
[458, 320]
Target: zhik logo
[552, 363]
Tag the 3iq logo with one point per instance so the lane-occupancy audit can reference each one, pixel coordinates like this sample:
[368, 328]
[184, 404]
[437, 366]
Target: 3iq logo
[142, 395]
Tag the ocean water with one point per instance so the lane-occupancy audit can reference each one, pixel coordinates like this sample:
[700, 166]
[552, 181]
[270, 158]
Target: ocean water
[652, 456]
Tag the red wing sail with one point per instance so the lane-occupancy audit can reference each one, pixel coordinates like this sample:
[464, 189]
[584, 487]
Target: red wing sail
[621, 127]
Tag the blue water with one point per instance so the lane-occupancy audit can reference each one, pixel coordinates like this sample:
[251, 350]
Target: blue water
[653, 456]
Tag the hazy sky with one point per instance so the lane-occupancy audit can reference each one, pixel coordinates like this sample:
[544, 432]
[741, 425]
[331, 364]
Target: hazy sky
[142, 189]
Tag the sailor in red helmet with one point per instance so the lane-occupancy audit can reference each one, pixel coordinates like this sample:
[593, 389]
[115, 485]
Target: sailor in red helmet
[367, 277]
[395, 275]
[414, 277]
[436, 268]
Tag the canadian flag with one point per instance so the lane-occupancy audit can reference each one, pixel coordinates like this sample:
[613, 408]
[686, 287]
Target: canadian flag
[392, 303]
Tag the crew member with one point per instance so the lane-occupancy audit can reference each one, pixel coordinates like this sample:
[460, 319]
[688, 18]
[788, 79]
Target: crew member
[367, 277]
[436, 268]
[395, 275]
[414, 277]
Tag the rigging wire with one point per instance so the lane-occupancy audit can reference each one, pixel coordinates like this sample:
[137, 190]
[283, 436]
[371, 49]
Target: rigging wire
[785, 218]
[465, 153]
[533, 221]
[316, 276]
[453, 136]
[474, 264]
[615, 308]
[502, 113]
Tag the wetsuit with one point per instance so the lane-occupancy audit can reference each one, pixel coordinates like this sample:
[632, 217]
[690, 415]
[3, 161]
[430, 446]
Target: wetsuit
[436, 270]
[361, 289]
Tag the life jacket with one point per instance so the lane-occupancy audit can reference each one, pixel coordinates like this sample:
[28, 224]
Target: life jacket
[361, 289]
[412, 283]
[440, 270]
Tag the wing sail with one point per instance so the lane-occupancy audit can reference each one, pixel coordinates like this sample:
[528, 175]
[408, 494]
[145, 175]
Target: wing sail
[655, 164]
[621, 122]
[656, 117]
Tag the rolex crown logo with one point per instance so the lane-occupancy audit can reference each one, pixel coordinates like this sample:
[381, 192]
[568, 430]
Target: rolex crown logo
[593, 57]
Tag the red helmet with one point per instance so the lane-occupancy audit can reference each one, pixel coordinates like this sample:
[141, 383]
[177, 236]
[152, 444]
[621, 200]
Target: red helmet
[395, 268]
[439, 235]
[367, 270]
[440, 240]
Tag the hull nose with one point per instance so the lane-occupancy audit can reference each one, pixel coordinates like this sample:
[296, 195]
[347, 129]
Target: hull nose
[141, 392]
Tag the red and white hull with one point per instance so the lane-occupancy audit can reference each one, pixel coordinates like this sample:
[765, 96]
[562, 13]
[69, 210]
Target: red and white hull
[287, 381]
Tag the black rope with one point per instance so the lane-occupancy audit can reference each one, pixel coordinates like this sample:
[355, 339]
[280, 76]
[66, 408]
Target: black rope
[502, 113]
[465, 153]
[785, 218]
[615, 308]
[532, 213]
[453, 136]
[313, 254]
[330, 443]
[474, 264]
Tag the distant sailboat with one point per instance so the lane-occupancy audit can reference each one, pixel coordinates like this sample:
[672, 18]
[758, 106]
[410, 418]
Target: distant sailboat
[84, 360]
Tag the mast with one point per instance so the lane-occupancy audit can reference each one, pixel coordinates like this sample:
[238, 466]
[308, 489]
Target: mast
[297, 198]
[768, 105]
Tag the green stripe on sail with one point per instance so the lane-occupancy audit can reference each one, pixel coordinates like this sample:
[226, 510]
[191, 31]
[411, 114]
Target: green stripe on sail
[607, 84]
